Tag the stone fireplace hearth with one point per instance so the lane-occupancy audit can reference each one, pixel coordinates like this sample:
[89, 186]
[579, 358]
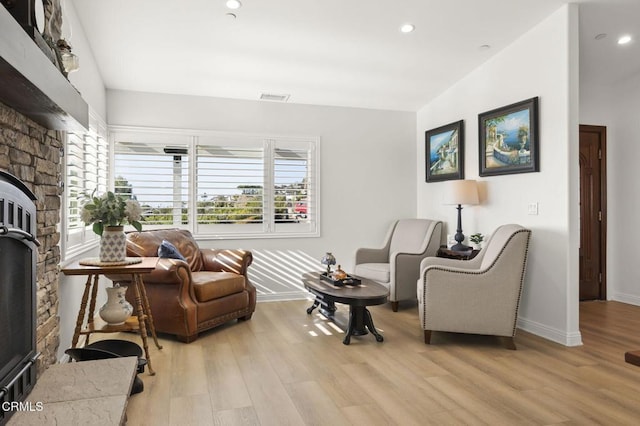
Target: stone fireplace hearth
[32, 153]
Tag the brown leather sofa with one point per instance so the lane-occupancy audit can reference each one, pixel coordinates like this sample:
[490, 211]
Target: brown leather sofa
[209, 289]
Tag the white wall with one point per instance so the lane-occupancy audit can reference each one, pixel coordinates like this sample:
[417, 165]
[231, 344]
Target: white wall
[541, 63]
[616, 107]
[623, 192]
[368, 177]
[88, 81]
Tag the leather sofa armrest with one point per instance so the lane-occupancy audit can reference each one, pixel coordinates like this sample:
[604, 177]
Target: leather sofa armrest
[226, 260]
[167, 271]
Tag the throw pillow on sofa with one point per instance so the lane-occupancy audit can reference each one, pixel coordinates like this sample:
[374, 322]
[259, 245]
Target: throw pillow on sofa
[168, 250]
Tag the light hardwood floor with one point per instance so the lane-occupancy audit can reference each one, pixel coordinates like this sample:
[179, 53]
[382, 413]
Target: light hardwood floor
[285, 367]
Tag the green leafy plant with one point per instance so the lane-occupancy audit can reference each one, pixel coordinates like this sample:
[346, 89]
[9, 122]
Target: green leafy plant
[476, 238]
[111, 210]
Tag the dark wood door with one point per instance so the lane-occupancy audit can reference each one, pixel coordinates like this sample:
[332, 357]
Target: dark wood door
[592, 212]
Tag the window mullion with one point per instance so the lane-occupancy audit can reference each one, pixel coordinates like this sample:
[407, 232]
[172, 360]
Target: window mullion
[269, 186]
[192, 213]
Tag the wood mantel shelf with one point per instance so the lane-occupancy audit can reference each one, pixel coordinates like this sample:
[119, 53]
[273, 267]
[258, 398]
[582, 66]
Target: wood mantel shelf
[32, 85]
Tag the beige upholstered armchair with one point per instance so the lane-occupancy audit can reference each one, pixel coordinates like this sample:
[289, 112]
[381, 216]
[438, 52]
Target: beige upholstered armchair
[397, 264]
[478, 296]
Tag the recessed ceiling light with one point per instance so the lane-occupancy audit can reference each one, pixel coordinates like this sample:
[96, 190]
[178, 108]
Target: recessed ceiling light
[234, 4]
[407, 28]
[485, 47]
[600, 36]
[231, 15]
[624, 39]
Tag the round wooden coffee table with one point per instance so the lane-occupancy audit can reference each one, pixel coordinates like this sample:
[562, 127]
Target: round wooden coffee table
[358, 297]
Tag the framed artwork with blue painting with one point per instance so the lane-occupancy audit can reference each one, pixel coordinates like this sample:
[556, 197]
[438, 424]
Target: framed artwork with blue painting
[444, 152]
[509, 139]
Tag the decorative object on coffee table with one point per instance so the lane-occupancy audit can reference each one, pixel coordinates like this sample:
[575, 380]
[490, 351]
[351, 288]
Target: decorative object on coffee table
[328, 259]
[461, 192]
[340, 278]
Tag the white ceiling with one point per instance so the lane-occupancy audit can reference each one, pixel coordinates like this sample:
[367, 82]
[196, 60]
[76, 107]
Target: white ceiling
[331, 52]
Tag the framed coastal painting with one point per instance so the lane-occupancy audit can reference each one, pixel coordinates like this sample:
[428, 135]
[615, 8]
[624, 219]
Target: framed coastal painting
[508, 139]
[444, 152]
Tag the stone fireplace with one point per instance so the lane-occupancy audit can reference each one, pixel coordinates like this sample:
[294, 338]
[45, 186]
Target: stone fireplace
[32, 154]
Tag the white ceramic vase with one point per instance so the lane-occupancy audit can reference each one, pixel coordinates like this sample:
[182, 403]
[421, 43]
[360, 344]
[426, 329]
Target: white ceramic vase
[113, 244]
[117, 310]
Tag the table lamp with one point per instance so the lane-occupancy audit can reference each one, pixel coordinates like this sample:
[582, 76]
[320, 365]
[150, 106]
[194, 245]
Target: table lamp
[328, 259]
[461, 192]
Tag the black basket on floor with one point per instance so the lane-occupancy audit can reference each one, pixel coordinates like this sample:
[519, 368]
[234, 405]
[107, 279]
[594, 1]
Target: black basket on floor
[105, 349]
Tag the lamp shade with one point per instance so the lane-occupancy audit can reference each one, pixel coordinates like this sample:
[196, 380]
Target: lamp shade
[462, 192]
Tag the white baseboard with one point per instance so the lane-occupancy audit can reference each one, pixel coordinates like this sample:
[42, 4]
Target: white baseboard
[626, 298]
[549, 333]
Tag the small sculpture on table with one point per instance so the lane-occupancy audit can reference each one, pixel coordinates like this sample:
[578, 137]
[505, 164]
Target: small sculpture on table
[339, 274]
[328, 259]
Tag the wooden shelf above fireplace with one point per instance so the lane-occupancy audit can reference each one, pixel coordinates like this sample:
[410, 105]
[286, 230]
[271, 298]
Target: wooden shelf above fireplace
[31, 84]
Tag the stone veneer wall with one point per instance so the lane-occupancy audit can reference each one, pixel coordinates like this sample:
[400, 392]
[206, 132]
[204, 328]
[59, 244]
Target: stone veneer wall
[32, 153]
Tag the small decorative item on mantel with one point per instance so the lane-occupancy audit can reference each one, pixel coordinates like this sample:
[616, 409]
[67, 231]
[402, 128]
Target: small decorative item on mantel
[328, 259]
[108, 213]
[117, 310]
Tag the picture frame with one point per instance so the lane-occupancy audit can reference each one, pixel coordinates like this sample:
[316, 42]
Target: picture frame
[444, 152]
[508, 139]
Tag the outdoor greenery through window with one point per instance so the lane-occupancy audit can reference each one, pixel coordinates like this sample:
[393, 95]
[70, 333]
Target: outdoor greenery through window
[219, 184]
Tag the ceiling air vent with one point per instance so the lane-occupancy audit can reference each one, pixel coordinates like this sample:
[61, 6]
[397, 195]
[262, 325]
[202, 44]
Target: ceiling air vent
[274, 97]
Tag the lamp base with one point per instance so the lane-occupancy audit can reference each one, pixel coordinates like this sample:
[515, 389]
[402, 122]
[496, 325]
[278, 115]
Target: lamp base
[460, 247]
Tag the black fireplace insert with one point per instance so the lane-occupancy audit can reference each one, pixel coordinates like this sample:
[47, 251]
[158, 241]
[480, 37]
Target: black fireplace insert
[18, 257]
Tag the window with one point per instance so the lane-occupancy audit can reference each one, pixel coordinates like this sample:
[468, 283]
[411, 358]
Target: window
[156, 173]
[220, 185]
[86, 165]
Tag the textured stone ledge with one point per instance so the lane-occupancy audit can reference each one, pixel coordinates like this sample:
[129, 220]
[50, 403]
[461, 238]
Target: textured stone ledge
[80, 393]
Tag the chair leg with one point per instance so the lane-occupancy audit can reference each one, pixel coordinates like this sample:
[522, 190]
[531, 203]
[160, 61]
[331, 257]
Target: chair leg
[427, 337]
[509, 343]
[394, 306]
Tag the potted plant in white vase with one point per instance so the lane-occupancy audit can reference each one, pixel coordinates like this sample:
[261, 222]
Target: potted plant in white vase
[108, 213]
[476, 239]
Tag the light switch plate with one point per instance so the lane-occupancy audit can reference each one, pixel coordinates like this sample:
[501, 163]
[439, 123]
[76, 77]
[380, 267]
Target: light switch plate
[532, 209]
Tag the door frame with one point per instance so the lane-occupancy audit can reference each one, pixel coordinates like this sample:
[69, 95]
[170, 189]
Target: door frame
[602, 131]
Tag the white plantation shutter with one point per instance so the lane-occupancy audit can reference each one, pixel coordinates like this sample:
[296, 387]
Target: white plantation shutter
[86, 172]
[294, 186]
[156, 174]
[230, 188]
[220, 184]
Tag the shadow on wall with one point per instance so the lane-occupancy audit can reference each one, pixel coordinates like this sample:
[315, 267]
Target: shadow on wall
[276, 273]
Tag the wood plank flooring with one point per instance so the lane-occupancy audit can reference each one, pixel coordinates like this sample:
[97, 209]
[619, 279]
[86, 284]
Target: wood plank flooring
[285, 367]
